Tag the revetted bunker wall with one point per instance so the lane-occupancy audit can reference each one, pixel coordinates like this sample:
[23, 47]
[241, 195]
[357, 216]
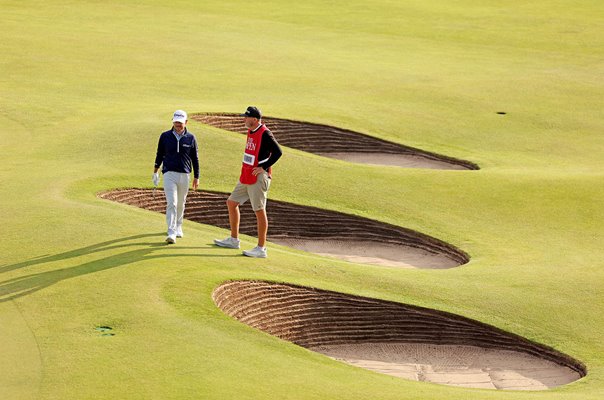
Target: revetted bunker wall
[312, 317]
[290, 221]
[325, 139]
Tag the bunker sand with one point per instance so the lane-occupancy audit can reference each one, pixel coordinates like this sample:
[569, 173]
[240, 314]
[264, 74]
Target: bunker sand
[342, 144]
[363, 252]
[396, 339]
[315, 230]
[464, 366]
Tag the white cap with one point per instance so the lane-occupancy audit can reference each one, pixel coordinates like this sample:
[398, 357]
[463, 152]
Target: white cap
[179, 116]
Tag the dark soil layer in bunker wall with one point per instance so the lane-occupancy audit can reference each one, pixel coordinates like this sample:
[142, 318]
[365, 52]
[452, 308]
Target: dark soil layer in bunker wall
[290, 221]
[311, 317]
[324, 139]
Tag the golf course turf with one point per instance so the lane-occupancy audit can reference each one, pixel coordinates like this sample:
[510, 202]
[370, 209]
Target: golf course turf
[87, 87]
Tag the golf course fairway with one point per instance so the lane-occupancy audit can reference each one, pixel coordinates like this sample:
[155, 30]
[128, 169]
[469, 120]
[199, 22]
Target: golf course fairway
[94, 304]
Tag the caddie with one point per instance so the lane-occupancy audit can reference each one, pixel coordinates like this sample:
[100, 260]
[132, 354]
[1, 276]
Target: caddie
[261, 152]
[177, 152]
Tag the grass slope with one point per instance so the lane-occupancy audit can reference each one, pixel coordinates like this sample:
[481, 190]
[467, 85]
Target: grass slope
[86, 88]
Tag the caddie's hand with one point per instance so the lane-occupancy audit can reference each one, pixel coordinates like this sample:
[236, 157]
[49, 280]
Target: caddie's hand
[195, 183]
[155, 179]
[257, 171]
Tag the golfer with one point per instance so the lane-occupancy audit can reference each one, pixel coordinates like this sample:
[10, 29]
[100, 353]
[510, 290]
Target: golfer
[261, 152]
[177, 151]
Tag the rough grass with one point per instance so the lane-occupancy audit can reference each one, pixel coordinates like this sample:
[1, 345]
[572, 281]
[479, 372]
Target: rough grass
[86, 88]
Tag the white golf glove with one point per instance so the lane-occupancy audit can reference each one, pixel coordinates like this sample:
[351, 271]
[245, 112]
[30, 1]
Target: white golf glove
[155, 179]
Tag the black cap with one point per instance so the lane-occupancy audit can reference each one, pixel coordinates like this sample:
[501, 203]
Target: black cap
[253, 112]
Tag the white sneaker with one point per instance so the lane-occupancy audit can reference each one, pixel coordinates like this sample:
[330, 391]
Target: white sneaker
[171, 239]
[229, 242]
[179, 233]
[256, 252]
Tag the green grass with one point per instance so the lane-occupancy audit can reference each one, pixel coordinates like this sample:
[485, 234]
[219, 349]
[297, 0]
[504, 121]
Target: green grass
[86, 88]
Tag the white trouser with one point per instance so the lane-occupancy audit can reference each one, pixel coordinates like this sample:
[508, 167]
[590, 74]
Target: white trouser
[176, 187]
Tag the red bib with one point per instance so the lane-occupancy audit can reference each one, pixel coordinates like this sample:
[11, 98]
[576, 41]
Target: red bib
[250, 156]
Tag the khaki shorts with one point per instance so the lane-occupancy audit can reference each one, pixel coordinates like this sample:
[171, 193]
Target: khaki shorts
[255, 193]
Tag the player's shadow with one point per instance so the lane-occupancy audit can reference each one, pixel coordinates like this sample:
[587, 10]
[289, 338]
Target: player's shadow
[21, 286]
[108, 245]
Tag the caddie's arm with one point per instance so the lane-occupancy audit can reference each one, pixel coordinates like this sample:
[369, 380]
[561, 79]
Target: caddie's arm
[274, 150]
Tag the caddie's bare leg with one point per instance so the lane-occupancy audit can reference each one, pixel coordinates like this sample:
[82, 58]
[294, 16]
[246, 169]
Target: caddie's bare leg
[262, 220]
[234, 217]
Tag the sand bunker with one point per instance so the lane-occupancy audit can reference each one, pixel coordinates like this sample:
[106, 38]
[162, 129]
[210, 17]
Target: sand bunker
[396, 339]
[315, 230]
[388, 255]
[343, 144]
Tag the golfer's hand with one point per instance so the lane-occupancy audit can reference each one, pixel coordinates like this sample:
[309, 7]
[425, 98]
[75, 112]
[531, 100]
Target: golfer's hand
[257, 171]
[155, 179]
[195, 183]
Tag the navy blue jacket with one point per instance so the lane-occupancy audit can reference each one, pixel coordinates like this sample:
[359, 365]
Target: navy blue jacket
[177, 155]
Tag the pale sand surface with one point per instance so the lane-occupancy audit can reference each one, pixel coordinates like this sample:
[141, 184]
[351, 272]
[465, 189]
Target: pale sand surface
[465, 366]
[399, 160]
[372, 253]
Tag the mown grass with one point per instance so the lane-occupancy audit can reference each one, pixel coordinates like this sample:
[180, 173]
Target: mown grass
[86, 88]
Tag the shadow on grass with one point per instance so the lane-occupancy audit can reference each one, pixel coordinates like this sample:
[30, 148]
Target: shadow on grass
[24, 285]
[108, 245]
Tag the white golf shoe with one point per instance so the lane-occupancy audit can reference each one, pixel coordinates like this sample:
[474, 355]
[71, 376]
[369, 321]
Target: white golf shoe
[171, 239]
[256, 252]
[179, 233]
[230, 243]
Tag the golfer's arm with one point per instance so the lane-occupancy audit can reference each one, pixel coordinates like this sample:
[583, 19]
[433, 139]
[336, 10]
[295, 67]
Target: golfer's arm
[159, 156]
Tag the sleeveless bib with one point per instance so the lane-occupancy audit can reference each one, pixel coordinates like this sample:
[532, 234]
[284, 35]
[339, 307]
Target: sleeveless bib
[250, 156]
